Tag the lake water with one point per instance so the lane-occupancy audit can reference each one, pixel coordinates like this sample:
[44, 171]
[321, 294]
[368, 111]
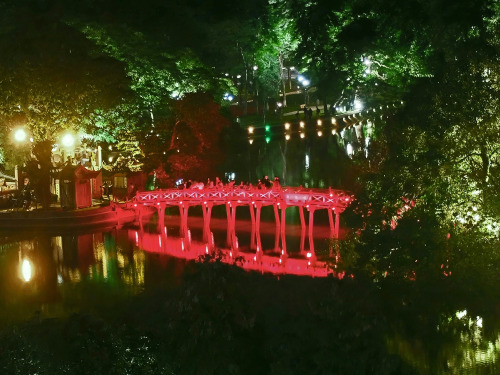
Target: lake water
[422, 330]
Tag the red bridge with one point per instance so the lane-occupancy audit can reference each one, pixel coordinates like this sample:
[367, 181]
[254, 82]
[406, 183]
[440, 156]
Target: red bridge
[334, 201]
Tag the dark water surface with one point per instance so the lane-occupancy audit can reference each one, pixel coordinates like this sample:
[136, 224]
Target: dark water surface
[162, 315]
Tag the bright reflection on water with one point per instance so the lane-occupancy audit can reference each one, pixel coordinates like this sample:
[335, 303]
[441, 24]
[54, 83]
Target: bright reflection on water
[57, 269]
[26, 270]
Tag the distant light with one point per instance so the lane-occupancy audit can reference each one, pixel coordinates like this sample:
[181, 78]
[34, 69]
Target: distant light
[110, 147]
[250, 129]
[250, 141]
[302, 135]
[319, 122]
[358, 104]
[305, 82]
[287, 137]
[68, 140]
[255, 67]
[320, 133]
[302, 124]
[26, 270]
[287, 125]
[349, 149]
[20, 135]
[279, 104]
[227, 74]
[300, 78]
[238, 76]
[230, 98]
[268, 127]
[334, 132]
[110, 159]
[268, 139]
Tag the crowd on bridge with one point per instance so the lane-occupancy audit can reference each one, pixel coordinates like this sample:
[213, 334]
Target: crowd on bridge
[263, 183]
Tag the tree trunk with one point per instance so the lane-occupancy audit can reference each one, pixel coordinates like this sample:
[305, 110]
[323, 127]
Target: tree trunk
[43, 154]
[245, 94]
[485, 165]
[283, 155]
[283, 83]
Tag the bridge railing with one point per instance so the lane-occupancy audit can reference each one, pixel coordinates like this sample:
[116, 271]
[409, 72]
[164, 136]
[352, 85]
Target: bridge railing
[293, 196]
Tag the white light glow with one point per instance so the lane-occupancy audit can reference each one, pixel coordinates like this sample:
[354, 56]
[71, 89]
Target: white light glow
[20, 135]
[26, 270]
[68, 140]
[349, 149]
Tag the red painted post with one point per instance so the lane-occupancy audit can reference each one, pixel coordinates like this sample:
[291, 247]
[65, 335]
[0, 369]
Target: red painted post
[311, 226]
[252, 233]
[257, 227]
[283, 236]
[302, 228]
[332, 225]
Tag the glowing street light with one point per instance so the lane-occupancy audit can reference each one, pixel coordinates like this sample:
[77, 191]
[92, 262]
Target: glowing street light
[68, 140]
[20, 135]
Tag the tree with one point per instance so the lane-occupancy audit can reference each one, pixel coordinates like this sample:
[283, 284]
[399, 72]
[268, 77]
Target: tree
[195, 149]
[52, 79]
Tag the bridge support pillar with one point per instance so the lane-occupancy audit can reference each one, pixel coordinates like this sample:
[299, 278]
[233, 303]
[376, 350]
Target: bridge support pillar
[332, 224]
[302, 229]
[207, 214]
[161, 214]
[278, 226]
[184, 211]
[337, 223]
[257, 226]
[282, 230]
[234, 239]
[252, 233]
[311, 227]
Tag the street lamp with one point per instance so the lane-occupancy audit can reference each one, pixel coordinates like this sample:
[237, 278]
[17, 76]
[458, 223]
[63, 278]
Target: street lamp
[20, 135]
[305, 83]
[68, 140]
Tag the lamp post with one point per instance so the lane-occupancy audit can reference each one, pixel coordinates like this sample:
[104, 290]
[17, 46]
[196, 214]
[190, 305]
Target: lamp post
[305, 84]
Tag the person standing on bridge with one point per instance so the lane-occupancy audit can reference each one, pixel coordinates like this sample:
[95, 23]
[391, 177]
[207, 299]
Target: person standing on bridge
[276, 183]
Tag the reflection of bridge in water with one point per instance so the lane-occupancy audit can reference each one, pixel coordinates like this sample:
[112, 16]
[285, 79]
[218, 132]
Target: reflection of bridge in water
[334, 201]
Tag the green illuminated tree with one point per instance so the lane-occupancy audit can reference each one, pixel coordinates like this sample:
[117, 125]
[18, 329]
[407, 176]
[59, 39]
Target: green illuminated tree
[52, 80]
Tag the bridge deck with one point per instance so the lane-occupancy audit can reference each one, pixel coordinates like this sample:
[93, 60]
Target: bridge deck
[287, 196]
